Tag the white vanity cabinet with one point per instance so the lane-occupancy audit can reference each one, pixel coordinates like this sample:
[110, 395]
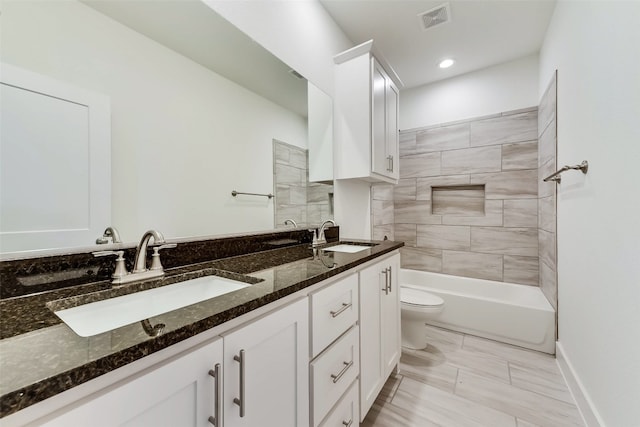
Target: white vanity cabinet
[366, 116]
[266, 370]
[379, 328]
[180, 392]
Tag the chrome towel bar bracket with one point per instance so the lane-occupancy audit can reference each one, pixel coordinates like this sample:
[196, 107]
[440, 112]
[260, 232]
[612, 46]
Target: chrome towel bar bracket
[234, 193]
[584, 167]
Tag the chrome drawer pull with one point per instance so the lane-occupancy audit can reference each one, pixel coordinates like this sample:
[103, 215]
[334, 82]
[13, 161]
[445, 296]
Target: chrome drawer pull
[240, 401]
[347, 423]
[386, 281]
[337, 377]
[390, 279]
[337, 313]
[215, 373]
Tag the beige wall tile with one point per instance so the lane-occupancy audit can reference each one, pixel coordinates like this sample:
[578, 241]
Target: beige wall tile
[407, 144]
[405, 189]
[289, 175]
[406, 233]
[521, 213]
[453, 237]
[506, 129]
[546, 189]
[547, 144]
[382, 191]
[549, 284]
[470, 264]
[382, 211]
[415, 212]
[380, 231]
[492, 216]
[509, 185]
[298, 158]
[520, 156]
[423, 185]
[547, 248]
[298, 194]
[459, 200]
[521, 270]
[547, 107]
[420, 165]
[421, 259]
[507, 241]
[547, 214]
[443, 138]
[318, 193]
[472, 160]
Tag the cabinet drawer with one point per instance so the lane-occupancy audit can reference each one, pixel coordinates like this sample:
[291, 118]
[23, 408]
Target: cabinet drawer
[333, 310]
[346, 411]
[333, 372]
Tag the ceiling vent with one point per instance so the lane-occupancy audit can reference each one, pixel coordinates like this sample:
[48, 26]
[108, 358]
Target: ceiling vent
[435, 16]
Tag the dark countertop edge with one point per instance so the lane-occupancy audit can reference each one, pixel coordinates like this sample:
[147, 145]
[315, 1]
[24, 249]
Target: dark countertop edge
[15, 401]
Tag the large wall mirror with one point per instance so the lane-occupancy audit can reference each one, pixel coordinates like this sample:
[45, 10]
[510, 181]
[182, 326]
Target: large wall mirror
[195, 107]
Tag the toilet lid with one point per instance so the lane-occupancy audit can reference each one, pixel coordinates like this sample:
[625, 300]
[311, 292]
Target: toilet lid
[419, 297]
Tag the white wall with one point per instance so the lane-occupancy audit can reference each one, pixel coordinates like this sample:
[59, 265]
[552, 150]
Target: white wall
[504, 87]
[182, 136]
[594, 46]
[300, 32]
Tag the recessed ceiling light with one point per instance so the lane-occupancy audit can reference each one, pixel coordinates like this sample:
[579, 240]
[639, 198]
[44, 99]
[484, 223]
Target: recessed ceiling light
[446, 63]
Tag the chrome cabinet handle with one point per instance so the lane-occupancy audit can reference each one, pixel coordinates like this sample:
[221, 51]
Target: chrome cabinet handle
[386, 281]
[336, 377]
[215, 373]
[240, 401]
[391, 163]
[347, 423]
[337, 313]
[390, 279]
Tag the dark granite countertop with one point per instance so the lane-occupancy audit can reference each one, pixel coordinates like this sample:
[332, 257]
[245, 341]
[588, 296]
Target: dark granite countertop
[40, 356]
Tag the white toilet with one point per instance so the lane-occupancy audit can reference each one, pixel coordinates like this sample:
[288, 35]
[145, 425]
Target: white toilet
[416, 306]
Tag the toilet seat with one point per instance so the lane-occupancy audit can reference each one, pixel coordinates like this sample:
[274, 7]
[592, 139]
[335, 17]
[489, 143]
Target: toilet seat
[419, 298]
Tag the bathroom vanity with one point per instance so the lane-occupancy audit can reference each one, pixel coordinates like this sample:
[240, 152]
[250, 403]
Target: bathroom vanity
[284, 349]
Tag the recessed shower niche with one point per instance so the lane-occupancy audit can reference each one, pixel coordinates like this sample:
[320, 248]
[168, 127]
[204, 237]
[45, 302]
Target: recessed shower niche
[464, 200]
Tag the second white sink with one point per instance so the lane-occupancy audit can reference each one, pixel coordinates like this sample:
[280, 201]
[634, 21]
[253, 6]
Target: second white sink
[351, 249]
[102, 316]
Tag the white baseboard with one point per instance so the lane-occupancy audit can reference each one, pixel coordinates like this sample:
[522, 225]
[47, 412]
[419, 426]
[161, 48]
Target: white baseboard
[584, 403]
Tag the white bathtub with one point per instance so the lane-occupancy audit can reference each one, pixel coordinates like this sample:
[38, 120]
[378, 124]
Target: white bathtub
[514, 314]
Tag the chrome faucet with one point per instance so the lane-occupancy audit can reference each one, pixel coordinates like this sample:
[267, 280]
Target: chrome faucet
[321, 238]
[110, 232]
[292, 222]
[140, 271]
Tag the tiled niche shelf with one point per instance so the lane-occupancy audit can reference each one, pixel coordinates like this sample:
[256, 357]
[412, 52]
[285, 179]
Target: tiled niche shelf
[463, 200]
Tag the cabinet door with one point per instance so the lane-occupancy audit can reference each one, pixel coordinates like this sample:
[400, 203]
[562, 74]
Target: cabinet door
[372, 281]
[266, 370]
[390, 318]
[393, 137]
[179, 393]
[380, 162]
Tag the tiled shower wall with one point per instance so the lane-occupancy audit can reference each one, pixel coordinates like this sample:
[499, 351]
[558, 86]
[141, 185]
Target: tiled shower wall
[307, 203]
[547, 164]
[498, 153]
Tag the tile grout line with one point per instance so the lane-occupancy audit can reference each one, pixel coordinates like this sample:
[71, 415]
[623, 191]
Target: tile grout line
[509, 371]
[455, 382]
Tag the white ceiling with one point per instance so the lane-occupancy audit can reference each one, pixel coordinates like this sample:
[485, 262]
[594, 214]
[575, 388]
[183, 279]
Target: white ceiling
[481, 33]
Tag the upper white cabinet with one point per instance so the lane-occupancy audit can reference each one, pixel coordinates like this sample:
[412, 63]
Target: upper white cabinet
[366, 116]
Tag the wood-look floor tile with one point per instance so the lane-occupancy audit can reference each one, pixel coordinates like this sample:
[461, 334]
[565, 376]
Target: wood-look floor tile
[515, 401]
[390, 387]
[540, 380]
[433, 373]
[523, 423]
[447, 409]
[388, 415]
[511, 353]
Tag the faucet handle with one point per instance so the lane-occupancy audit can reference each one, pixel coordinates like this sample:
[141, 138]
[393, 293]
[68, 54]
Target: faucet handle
[121, 269]
[155, 257]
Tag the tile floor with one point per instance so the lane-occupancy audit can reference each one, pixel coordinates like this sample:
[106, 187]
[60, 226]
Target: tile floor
[462, 380]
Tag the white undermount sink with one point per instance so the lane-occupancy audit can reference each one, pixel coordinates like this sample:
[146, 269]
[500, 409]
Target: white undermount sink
[102, 316]
[351, 249]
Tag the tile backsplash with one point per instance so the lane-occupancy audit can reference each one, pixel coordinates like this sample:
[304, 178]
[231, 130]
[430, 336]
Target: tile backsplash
[482, 218]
